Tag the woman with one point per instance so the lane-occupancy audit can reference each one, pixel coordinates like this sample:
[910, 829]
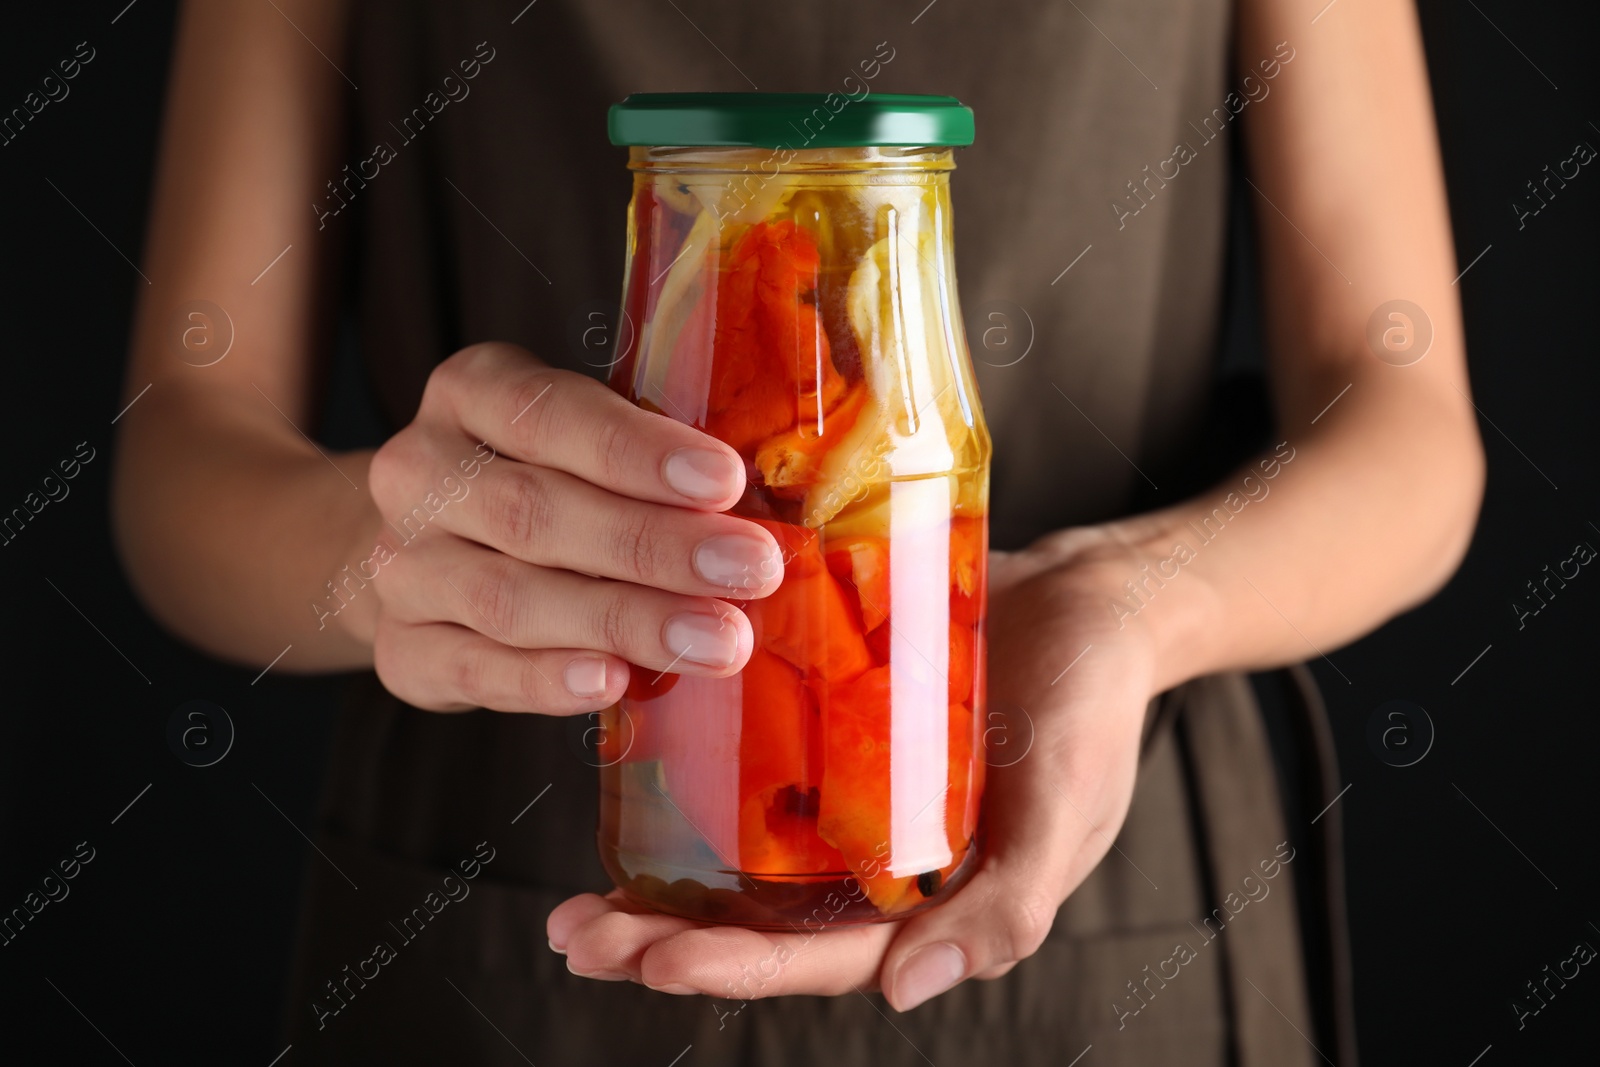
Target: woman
[1095, 200]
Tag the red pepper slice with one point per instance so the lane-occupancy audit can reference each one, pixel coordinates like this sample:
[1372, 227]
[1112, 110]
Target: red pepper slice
[771, 368]
[801, 547]
[645, 684]
[780, 771]
[862, 564]
[791, 462]
[810, 622]
[854, 815]
[641, 214]
[968, 555]
[614, 736]
[961, 803]
[961, 669]
[879, 645]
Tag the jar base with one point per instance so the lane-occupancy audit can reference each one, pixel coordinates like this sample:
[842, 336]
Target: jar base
[797, 903]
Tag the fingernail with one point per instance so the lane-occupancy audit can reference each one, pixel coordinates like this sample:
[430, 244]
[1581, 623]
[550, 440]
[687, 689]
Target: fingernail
[557, 948]
[599, 976]
[675, 989]
[926, 973]
[700, 474]
[586, 676]
[735, 561]
[703, 639]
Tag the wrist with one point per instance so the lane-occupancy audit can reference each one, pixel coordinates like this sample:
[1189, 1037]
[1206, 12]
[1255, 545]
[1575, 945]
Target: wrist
[1138, 587]
[1177, 604]
[346, 604]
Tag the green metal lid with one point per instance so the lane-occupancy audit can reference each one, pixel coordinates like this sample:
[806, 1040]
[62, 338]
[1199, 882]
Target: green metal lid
[790, 120]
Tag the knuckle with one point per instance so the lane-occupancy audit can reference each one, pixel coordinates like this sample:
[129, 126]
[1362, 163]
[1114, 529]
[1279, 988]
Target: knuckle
[485, 355]
[1026, 920]
[386, 475]
[533, 688]
[613, 621]
[614, 448]
[383, 472]
[386, 661]
[394, 664]
[533, 402]
[523, 509]
[469, 677]
[636, 545]
[404, 577]
[493, 590]
[444, 379]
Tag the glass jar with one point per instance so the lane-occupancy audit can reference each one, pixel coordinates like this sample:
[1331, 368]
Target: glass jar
[790, 289]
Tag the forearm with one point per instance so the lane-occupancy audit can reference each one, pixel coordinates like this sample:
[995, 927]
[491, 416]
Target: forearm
[1376, 509]
[231, 526]
[1318, 541]
[229, 520]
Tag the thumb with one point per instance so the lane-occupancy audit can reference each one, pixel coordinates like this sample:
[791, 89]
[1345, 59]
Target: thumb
[1049, 820]
[1004, 912]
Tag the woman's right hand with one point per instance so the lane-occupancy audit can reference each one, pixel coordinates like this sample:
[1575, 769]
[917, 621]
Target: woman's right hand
[530, 577]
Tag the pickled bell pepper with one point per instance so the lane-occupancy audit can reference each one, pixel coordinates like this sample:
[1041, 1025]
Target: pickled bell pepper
[853, 814]
[780, 772]
[771, 371]
[961, 806]
[967, 551]
[791, 462]
[814, 775]
[862, 563]
[810, 622]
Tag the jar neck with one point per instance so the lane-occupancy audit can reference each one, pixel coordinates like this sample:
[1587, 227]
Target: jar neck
[787, 160]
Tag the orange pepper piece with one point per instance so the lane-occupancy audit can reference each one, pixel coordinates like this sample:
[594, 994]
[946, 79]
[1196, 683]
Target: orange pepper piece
[879, 644]
[615, 736]
[771, 367]
[809, 621]
[961, 663]
[854, 811]
[862, 564]
[791, 462]
[968, 553]
[800, 547]
[640, 212]
[961, 808]
[780, 770]
[645, 684]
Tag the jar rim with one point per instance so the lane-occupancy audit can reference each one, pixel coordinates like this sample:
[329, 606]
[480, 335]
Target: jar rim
[790, 121]
[879, 162]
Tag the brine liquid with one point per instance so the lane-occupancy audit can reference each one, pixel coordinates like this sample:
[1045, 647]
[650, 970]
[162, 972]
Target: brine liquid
[812, 326]
[841, 769]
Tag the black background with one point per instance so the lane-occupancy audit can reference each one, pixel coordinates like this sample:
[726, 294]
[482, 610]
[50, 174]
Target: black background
[1468, 872]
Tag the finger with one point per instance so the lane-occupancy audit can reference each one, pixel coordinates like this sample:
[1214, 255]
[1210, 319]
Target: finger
[1051, 818]
[501, 394]
[574, 912]
[612, 943]
[554, 519]
[571, 914]
[521, 605]
[748, 964]
[678, 956]
[444, 667]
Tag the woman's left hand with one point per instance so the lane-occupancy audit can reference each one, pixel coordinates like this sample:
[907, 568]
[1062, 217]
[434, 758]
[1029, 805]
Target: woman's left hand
[1068, 687]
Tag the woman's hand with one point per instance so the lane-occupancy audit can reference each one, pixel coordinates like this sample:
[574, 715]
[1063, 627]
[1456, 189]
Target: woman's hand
[1050, 815]
[540, 534]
